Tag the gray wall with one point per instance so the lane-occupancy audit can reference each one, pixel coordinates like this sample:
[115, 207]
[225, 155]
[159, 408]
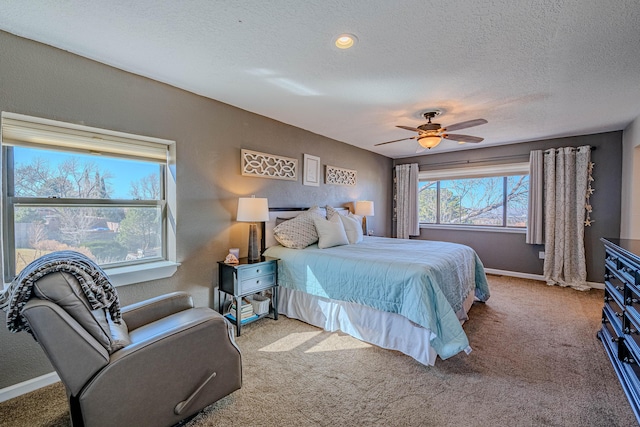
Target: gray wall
[42, 81]
[508, 251]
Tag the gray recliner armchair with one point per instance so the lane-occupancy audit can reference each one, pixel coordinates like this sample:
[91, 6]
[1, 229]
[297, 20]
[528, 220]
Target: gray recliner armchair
[166, 364]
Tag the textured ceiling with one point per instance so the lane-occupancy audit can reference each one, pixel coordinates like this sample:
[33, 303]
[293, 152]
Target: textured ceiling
[534, 69]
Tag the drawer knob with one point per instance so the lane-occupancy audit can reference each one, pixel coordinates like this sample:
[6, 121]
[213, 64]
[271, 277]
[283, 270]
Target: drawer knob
[615, 339]
[620, 288]
[605, 320]
[258, 270]
[629, 360]
[631, 301]
[607, 299]
[629, 330]
[257, 282]
[619, 314]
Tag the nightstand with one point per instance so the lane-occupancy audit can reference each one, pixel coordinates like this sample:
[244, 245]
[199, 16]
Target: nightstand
[247, 278]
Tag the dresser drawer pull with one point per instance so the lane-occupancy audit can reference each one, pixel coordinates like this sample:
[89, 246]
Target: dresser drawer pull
[619, 314]
[629, 360]
[620, 288]
[257, 282]
[631, 301]
[605, 320]
[615, 339]
[607, 299]
[630, 331]
[258, 270]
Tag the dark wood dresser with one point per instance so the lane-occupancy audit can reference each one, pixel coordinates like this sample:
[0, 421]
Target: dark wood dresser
[620, 332]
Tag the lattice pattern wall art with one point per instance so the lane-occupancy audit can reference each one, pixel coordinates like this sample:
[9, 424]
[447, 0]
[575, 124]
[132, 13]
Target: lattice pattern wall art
[340, 176]
[265, 165]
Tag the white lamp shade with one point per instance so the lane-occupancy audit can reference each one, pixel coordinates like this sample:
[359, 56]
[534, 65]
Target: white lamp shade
[252, 209]
[364, 208]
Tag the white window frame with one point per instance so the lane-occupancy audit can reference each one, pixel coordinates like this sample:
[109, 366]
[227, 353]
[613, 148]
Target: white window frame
[501, 170]
[28, 131]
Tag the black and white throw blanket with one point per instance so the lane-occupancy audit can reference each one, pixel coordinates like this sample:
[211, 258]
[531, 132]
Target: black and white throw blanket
[93, 280]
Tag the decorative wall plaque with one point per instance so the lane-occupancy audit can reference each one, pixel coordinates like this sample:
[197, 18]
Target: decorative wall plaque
[268, 165]
[340, 176]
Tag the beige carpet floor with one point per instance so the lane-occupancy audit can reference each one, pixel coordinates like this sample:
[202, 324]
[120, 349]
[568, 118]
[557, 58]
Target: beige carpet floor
[536, 362]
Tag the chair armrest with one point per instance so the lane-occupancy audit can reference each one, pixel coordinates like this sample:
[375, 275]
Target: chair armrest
[148, 311]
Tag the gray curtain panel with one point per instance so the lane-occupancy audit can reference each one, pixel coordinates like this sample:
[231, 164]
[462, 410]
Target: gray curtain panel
[566, 179]
[535, 224]
[406, 189]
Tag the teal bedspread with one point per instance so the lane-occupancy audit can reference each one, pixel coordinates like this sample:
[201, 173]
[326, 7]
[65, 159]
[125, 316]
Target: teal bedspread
[424, 281]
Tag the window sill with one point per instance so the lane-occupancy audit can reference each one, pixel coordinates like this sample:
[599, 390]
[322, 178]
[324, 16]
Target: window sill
[127, 275]
[475, 228]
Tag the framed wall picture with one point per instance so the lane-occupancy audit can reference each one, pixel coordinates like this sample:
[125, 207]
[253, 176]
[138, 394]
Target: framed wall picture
[311, 170]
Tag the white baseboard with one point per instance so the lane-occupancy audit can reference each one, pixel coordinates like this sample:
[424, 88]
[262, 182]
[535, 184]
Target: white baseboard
[539, 277]
[28, 386]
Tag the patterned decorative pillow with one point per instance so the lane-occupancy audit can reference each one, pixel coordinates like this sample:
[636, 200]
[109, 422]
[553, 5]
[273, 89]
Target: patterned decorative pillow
[299, 232]
[331, 211]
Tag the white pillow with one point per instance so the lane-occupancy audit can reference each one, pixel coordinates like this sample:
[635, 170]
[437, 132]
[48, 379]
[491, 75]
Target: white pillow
[353, 228]
[298, 232]
[330, 232]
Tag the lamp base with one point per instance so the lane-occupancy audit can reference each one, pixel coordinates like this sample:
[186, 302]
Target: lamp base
[364, 225]
[254, 243]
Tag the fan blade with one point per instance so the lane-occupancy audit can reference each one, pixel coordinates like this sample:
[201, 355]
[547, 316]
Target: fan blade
[462, 138]
[420, 149]
[410, 128]
[395, 140]
[464, 125]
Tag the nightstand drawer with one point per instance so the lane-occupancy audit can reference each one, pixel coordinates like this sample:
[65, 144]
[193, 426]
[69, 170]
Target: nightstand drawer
[256, 284]
[247, 272]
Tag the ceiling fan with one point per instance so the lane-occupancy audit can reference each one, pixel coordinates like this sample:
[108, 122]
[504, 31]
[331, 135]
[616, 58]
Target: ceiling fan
[430, 134]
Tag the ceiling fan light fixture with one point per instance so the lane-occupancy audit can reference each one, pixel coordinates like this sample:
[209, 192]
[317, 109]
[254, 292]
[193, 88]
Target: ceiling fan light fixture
[429, 141]
[345, 41]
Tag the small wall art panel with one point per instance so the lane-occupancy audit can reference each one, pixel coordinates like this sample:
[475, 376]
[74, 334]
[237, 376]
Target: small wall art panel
[311, 171]
[340, 176]
[266, 165]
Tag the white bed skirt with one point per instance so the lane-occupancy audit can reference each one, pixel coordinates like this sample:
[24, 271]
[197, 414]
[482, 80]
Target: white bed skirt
[387, 330]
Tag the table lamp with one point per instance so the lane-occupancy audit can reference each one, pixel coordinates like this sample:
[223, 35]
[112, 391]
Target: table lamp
[364, 208]
[253, 210]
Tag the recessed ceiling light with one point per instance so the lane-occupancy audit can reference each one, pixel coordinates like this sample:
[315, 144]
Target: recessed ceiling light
[345, 41]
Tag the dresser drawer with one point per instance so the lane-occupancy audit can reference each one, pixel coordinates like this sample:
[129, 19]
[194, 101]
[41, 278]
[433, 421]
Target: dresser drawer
[621, 267]
[614, 283]
[632, 302]
[615, 310]
[613, 295]
[612, 324]
[249, 271]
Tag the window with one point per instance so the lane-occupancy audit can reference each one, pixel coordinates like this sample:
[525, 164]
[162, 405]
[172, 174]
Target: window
[494, 196]
[106, 194]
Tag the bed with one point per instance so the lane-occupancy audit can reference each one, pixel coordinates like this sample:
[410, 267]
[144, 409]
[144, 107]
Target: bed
[406, 295]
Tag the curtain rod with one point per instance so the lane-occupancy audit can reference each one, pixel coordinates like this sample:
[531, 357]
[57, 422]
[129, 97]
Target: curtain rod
[523, 157]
